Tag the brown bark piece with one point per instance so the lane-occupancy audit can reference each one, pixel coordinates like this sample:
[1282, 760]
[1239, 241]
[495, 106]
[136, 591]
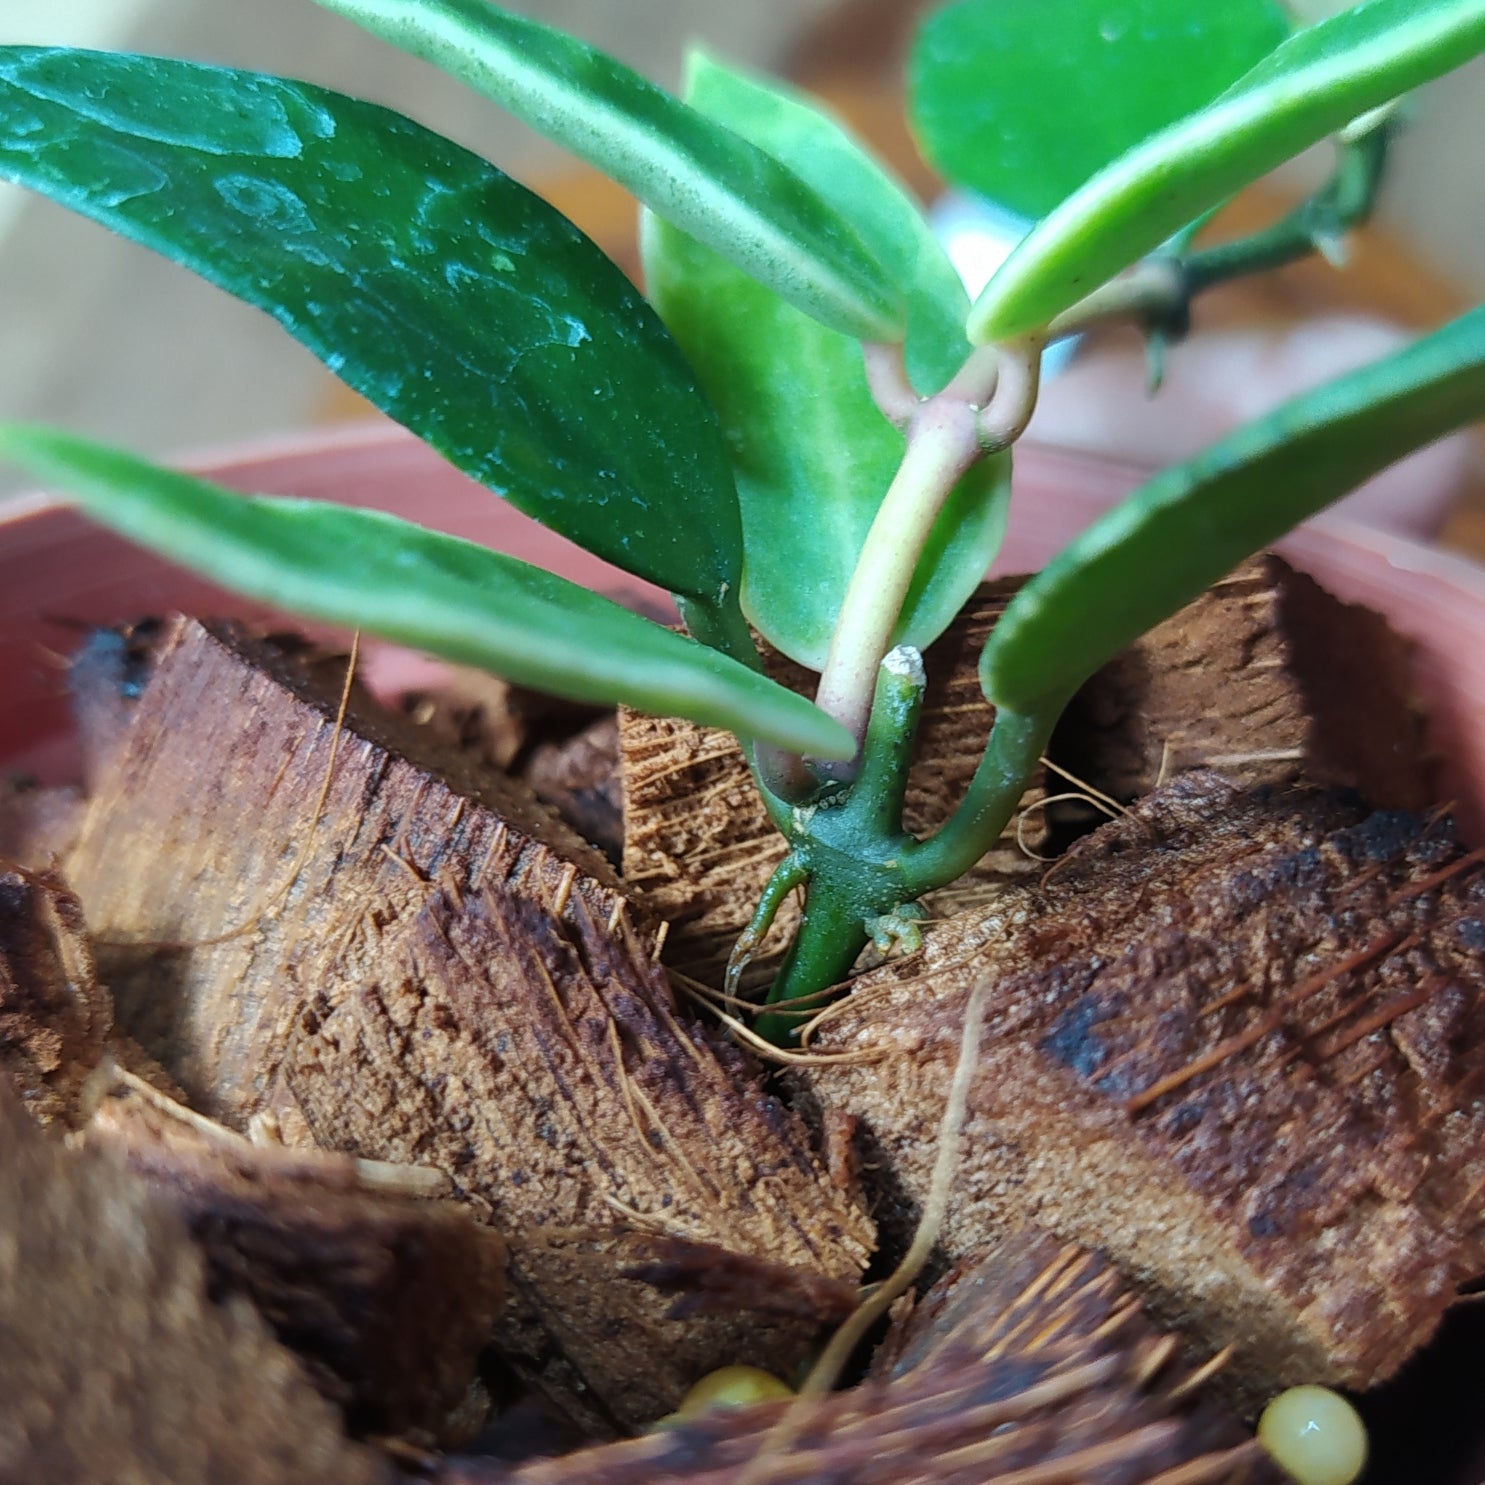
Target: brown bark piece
[1238, 1043]
[579, 778]
[699, 848]
[387, 1300]
[116, 1366]
[1031, 1364]
[416, 976]
[235, 826]
[54, 1016]
[1267, 679]
[493, 720]
[534, 1052]
[707, 1279]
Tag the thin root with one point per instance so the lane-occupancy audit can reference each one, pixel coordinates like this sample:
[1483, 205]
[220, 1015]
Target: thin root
[826, 1371]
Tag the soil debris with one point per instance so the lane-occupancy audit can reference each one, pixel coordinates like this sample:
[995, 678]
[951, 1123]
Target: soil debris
[55, 1018]
[707, 1279]
[579, 778]
[566, 751]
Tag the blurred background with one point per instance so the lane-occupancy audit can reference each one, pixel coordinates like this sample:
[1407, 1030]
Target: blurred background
[104, 338]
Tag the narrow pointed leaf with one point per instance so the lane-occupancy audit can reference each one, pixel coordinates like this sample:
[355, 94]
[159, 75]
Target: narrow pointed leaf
[689, 170]
[446, 293]
[1191, 525]
[812, 454]
[1310, 87]
[453, 598]
[791, 128]
[1023, 102]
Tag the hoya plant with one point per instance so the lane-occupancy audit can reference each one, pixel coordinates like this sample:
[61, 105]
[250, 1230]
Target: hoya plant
[805, 432]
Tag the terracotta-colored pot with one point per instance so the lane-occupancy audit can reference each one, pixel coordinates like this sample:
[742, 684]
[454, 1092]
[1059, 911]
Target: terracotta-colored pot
[59, 572]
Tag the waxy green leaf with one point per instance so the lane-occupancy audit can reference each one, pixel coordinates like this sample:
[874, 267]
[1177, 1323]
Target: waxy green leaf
[1022, 102]
[812, 454]
[792, 129]
[453, 598]
[686, 168]
[1310, 87]
[1191, 525]
[447, 294]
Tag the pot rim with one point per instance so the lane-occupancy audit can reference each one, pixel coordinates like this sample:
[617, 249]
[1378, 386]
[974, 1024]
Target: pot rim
[1434, 596]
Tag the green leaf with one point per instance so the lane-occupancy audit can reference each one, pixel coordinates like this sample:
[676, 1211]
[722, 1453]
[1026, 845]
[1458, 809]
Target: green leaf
[812, 454]
[1191, 525]
[687, 169]
[792, 129]
[454, 598]
[1022, 102]
[450, 296]
[1310, 87]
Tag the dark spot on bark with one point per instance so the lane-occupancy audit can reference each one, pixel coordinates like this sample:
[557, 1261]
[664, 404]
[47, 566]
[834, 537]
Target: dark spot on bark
[1471, 933]
[1071, 1040]
[1386, 834]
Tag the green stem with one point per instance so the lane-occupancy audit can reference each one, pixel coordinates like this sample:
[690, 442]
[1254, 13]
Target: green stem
[1343, 202]
[1161, 288]
[887, 755]
[943, 442]
[783, 778]
[790, 873]
[851, 846]
[1154, 288]
[831, 934]
[1016, 744]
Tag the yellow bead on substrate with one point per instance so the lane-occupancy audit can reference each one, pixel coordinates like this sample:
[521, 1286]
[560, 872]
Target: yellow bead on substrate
[1315, 1435]
[732, 1387]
